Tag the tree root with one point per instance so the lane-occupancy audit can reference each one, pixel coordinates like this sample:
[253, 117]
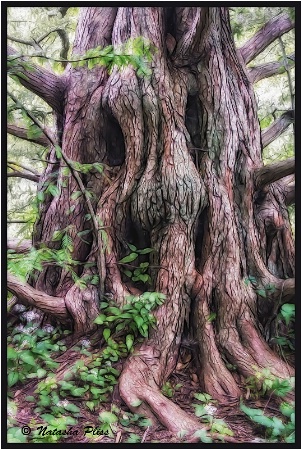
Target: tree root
[143, 396]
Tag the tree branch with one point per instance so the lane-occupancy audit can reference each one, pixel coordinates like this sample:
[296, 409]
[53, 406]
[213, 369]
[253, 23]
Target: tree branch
[47, 85]
[21, 133]
[287, 291]
[273, 172]
[290, 194]
[19, 246]
[26, 294]
[12, 163]
[265, 36]
[27, 176]
[267, 70]
[277, 128]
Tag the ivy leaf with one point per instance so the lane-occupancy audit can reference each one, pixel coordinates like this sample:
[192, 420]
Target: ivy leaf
[132, 247]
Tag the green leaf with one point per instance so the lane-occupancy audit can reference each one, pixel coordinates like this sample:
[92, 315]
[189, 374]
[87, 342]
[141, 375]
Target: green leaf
[28, 358]
[131, 257]
[287, 409]
[100, 319]
[132, 247]
[76, 195]
[78, 392]
[108, 417]
[58, 151]
[12, 379]
[261, 292]
[72, 408]
[129, 341]
[53, 190]
[203, 436]
[11, 353]
[90, 405]
[143, 277]
[145, 251]
[41, 373]
[288, 312]
[106, 333]
[136, 403]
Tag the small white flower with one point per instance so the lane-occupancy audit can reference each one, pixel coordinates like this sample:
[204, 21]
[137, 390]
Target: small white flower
[85, 343]
[20, 308]
[20, 328]
[210, 409]
[29, 330]
[48, 328]
[63, 403]
[30, 315]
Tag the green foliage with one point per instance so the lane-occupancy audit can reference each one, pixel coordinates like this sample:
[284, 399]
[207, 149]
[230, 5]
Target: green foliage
[139, 273]
[136, 52]
[275, 428]
[263, 382]
[264, 291]
[133, 318]
[29, 354]
[287, 312]
[205, 411]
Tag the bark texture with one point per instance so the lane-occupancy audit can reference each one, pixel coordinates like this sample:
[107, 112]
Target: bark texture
[183, 175]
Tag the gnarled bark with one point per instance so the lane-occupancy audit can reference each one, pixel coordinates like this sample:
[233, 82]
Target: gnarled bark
[185, 187]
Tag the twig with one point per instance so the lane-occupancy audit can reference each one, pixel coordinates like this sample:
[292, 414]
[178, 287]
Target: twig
[145, 435]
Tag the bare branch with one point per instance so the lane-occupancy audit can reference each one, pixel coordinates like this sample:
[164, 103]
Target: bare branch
[30, 296]
[278, 127]
[19, 221]
[22, 133]
[19, 246]
[27, 176]
[265, 36]
[267, 70]
[13, 163]
[64, 39]
[272, 172]
[44, 83]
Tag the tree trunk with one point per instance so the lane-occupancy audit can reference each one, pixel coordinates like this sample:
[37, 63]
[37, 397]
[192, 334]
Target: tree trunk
[182, 150]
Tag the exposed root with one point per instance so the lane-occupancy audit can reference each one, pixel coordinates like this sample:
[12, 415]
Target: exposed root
[142, 395]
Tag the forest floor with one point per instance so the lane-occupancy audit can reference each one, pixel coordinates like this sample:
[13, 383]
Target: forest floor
[244, 431]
